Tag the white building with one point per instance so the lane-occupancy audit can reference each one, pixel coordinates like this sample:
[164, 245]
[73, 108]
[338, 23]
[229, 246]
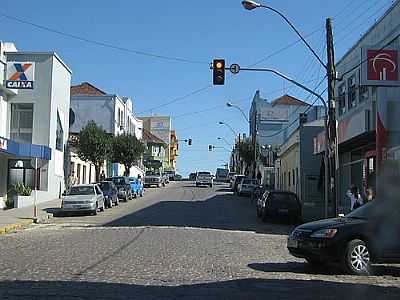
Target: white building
[34, 110]
[113, 113]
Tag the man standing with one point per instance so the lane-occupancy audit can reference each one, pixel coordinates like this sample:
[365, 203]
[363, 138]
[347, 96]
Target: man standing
[102, 176]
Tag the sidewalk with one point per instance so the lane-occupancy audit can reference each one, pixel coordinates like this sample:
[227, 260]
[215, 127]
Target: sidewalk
[16, 218]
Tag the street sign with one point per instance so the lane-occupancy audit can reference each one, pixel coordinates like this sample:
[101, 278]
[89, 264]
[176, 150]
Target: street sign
[234, 68]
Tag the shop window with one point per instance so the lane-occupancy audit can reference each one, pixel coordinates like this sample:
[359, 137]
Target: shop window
[351, 87]
[59, 134]
[84, 175]
[21, 171]
[342, 99]
[21, 122]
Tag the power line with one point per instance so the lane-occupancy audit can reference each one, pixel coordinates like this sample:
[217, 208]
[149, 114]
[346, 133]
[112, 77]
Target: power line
[101, 43]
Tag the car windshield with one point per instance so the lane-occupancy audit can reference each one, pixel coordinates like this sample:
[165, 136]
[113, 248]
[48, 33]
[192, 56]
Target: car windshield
[81, 190]
[249, 181]
[278, 199]
[105, 186]
[366, 211]
[204, 173]
[150, 173]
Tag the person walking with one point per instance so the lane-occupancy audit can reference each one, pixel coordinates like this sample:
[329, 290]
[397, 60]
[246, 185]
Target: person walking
[355, 198]
[102, 176]
[259, 177]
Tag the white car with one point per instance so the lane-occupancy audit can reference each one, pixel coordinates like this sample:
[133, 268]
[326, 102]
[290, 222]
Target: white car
[204, 178]
[247, 186]
[83, 198]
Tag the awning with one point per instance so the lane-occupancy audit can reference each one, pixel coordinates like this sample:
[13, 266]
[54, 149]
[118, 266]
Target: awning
[24, 150]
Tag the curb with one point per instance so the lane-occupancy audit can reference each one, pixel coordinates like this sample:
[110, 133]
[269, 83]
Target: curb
[13, 227]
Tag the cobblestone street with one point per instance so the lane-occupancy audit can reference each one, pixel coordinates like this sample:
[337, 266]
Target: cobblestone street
[177, 242]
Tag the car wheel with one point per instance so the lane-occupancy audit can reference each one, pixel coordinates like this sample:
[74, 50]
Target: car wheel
[356, 260]
[102, 208]
[94, 213]
[117, 202]
[110, 203]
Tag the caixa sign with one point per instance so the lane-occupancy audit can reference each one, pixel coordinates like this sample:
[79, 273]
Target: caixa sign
[380, 67]
[20, 75]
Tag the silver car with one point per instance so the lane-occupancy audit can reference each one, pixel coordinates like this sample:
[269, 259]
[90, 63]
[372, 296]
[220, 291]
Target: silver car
[83, 198]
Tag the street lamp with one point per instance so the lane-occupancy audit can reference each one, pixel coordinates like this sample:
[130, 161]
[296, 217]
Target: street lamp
[229, 104]
[224, 139]
[227, 125]
[250, 5]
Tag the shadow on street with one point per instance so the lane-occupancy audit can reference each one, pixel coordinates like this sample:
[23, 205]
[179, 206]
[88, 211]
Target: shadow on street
[224, 212]
[236, 289]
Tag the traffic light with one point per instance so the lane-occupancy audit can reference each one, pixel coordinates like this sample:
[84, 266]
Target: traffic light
[190, 142]
[219, 71]
[210, 147]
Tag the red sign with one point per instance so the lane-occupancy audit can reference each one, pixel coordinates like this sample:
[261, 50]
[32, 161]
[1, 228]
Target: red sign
[383, 65]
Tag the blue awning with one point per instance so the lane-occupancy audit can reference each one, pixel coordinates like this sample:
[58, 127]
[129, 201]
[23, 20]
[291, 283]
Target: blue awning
[24, 150]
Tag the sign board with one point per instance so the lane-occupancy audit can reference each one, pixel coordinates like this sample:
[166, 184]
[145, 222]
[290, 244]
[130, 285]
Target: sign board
[160, 124]
[3, 144]
[380, 67]
[235, 68]
[20, 75]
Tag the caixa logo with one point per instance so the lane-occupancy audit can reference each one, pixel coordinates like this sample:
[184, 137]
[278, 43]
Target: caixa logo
[383, 65]
[20, 75]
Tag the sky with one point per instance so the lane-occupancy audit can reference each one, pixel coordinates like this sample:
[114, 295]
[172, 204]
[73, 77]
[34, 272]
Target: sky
[161, 51]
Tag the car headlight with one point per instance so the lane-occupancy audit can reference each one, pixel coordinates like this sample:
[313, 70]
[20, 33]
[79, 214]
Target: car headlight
[324, 233]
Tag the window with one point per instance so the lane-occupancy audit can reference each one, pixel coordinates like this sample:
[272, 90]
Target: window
[293, 177]
[21, 123]
[21, 171]
[78, 173]
[289, 179]
[351, 87]
[342, 99]
[363, 93]
[59, 134]
[84, 174]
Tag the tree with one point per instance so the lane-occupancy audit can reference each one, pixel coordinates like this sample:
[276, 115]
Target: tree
[93, 145]
[127, 150]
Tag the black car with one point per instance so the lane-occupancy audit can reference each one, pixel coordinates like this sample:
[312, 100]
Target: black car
[123, 185]
[279, 205]
[110, 192]
[369, 234]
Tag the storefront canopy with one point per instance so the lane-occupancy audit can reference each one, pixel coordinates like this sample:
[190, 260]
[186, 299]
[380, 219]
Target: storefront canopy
[24, 150]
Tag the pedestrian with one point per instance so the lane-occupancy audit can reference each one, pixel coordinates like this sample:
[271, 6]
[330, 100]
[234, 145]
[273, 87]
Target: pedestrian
[259, 177]
[369, 195]
[102, 176]
[355, 198]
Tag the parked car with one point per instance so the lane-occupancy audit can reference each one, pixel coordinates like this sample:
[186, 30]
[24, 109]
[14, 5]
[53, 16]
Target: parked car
[204, 178]
[110, 193]
[279, 205]
[247, 186]
[83, 198]
[123, 185]
[171, 175]
[221, 175]
[368, 235]
[237, 180]
[192, 176]
[177, 177]
[136, 186]
[154, 178]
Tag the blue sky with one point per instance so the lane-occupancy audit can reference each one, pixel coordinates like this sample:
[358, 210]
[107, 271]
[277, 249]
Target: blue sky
[193, 30]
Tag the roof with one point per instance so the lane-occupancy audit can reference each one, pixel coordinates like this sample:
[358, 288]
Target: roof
[151, 138]
[288, 100]
[85, 88]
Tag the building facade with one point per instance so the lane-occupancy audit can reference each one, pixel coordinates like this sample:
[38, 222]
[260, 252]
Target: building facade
[368, 107]
[161, 127]
[34, 123]
[298, 170]
[155, 153]
[174, 151]
[113, 113]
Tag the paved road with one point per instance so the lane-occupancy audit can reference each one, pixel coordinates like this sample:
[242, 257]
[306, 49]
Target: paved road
[180, 242]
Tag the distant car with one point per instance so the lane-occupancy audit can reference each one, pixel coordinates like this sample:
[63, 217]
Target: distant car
[110, 193]
[221, 175]
[177, 177]
[204, 178]
[171, 175]
[154, 178]
[368, 235]
[83, 198]
[123, 185]
[279, 205]
[247, 186]
[236, 181]
[136, 186]
[192, 176]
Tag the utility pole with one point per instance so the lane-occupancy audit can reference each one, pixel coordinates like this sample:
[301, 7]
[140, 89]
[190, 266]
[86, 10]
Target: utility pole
[255, 146]
[331, 143]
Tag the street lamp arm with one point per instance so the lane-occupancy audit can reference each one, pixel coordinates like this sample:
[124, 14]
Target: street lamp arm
[297, 32]
[244, 115]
